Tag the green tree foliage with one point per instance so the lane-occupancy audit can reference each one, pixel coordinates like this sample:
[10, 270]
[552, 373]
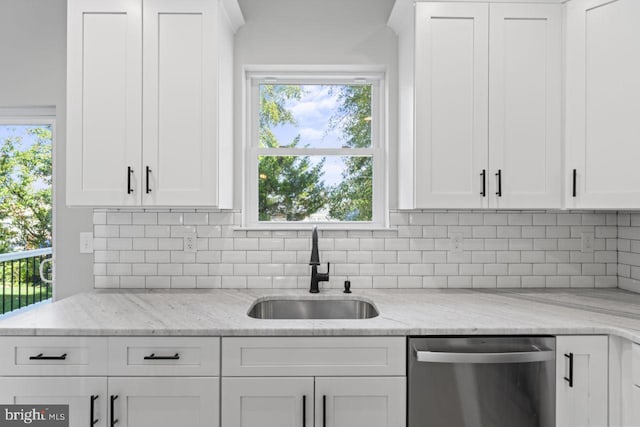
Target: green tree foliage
[290, 187]
[25, 191]
[351, 199]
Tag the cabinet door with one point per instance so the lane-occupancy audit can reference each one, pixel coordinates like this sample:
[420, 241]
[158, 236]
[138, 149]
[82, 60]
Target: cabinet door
[267, 402]
[360, 401]
[635, 406]
[603, 98]
[583, 403]
[180, 110]
[104, 101]
[525, 105]
[165, 402]
[73, 391]
[451, 104]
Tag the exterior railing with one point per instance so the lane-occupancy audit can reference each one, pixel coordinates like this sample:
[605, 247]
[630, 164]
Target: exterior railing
[20, 279]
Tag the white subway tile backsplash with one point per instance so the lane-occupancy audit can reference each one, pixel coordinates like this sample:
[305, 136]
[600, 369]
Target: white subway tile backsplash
[500, 249]
[385, 281]
[118, 218]
[143, 244]
[106, 231]
[421, 219]
[158, 282]
[171, 218]
[132, 282]
[196, 218]
[434, 282]
[144, 218]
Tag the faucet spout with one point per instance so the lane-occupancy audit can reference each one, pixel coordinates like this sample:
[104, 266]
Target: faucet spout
[315, 255]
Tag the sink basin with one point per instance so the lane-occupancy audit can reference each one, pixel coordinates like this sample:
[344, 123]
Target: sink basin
[312, 309]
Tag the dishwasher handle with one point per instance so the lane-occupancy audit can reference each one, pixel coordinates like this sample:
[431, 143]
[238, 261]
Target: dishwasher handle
[509, 357]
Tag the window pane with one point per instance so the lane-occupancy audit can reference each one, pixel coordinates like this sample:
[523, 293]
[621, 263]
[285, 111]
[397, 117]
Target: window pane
[315, 188]
[315, 116]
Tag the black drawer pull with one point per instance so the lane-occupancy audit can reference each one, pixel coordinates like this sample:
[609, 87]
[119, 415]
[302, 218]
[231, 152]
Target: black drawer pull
[92, 419]
[148, 189]
[324, 411]
[129, 172]
[43, 357]
[153, 356]
[304, 410]
[570, 379]
[483, 193]
[575, 183]
[499, 175]
[114, 421]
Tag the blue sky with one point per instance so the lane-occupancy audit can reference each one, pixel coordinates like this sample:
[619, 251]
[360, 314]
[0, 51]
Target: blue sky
[312, 114]
[19, 130]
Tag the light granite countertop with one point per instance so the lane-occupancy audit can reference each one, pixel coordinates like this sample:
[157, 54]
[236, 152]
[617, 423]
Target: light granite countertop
[223, 312]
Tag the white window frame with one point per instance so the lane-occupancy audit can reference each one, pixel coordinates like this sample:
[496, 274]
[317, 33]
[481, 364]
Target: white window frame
[378, 149]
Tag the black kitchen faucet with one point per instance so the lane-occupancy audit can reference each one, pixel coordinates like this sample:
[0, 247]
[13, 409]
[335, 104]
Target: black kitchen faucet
[314, 262]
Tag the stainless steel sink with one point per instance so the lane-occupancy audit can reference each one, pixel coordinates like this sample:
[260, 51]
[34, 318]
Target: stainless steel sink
[312, 309]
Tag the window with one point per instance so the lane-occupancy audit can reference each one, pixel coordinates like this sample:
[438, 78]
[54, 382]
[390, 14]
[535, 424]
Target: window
[315, 152]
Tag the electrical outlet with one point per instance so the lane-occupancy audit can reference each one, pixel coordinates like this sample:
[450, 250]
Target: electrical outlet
[190, 243]
[588, 242]
[456, 241]
[86, 243]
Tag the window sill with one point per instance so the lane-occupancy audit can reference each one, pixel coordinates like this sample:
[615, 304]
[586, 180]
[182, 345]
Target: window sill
[322, 227]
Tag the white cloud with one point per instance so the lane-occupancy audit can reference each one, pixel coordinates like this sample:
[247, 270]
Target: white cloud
[311, 134]
[316, 103]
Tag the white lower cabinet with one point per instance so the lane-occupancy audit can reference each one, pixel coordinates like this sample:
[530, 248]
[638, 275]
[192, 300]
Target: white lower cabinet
[77, 392]
[581, 381]
[360, 402]
[635, 405]
[137, 402]
[267, 402]
[164, 402]
[332, 402]
[314, 382]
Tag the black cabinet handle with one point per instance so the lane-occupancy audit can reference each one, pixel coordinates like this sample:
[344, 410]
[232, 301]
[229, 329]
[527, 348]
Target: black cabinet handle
[575, 183]
[92, 420]
[129, 172]
[324, 411]
[483, 193]
[499, 175]
[42, 357]
[570, 379]
[153, 356]
[304, 410]
[114, 421]
[148, 189]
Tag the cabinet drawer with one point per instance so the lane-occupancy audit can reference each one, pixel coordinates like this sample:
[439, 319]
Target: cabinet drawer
[635, 364]
[313, 356]
[170, 356]
[44, 356]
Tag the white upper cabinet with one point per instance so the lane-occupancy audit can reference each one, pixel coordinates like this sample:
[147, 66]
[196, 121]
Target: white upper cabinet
[104, 102]
[451, 54]
[525, 105]
[149, 96]
[603, 98]
[480, 105]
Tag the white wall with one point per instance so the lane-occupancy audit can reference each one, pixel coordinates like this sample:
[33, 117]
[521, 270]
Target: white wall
[317, 32]
[33, 73]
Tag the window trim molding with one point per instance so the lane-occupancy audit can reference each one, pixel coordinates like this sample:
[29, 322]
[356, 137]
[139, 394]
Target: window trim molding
[325, 74]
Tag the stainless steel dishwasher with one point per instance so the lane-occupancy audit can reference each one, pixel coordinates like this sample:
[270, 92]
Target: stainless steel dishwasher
[481, 382]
